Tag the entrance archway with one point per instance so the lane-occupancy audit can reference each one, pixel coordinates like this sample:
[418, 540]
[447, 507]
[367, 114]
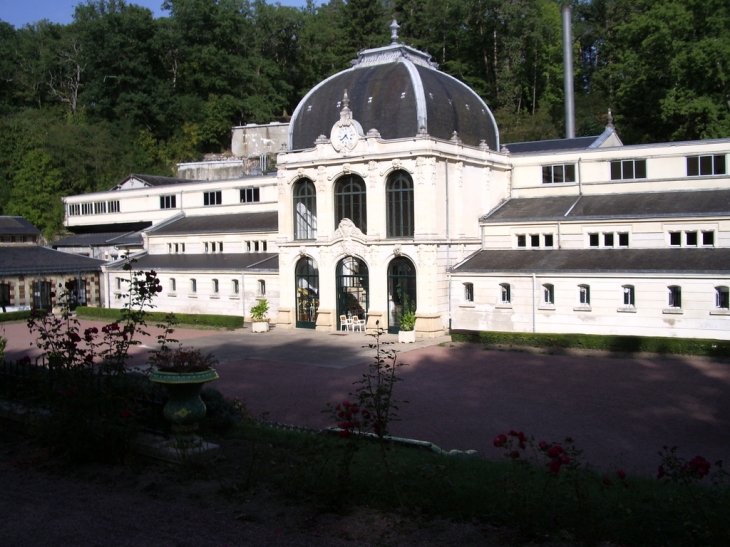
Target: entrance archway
[401, 291]
[307, 286]
[353, 289]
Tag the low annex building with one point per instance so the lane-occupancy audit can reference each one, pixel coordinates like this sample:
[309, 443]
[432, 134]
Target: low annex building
[394, 193]
[32, 276]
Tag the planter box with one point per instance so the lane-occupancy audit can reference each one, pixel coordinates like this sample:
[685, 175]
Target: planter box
[260, 326]
[406, 336]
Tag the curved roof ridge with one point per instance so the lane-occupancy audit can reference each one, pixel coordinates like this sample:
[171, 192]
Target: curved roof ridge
[419, 92]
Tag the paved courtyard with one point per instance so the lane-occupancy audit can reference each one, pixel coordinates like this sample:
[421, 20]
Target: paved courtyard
[621, 410]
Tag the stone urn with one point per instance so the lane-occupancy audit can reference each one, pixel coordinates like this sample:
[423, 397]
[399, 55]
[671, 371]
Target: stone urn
[185, 409]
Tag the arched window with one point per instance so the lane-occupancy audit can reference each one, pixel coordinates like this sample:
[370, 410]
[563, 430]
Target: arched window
[351, 201]
[307, 287]
[721, 298]
[401, 291]
[305, 210]
[505, 293]
[399, 203]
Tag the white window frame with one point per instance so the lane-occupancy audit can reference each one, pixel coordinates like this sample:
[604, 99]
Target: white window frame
[548, 294]
[505, 293]
[212, 197]
[469, 292]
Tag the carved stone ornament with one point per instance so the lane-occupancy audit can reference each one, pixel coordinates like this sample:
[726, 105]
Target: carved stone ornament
[302, 251]
[397, 251]
[483, 145]
[346, 168]
[280, 176]
[372, 173]
[422, 133]
[347, 230]
[459, 173]
[374, 133]
[321, 178]
[425, 172]
[455, 138]
[322, 139]
[300, 172]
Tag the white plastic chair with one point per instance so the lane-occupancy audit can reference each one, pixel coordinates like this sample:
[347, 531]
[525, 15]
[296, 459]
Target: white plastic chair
[358, 324]
[345, 323]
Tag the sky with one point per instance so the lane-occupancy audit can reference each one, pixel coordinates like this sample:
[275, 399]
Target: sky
[22, 12]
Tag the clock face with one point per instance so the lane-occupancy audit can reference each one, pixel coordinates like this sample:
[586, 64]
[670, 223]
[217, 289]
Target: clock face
[346, 135]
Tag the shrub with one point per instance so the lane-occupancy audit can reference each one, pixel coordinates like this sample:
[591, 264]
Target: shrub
[222, 413]
[631, 344]
[208, 320]
[14, 316]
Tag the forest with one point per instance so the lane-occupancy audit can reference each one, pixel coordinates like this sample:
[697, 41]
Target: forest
[118, 92]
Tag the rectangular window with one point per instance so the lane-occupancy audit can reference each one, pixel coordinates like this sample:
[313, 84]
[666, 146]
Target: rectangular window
[168, 202]
[505, 293]
[212, 246]
[193, 286]
[256, 246]
[468, 292]
[215, 286]
[593, 240]
[205, 246]
[675, 296]
[608, 239]
[555, 174]
[4, 295]
[691, 239]
[220, 246]
[623, 240]
[675, 239]
[584, 295]
[212, 198]
[249, 195]
[113, 206]
[118, 283]
[534, 240]
[99, 207]
[521, 240]
[74, 209]
[248, 246]
[87, 208]
[264, 245]
[629, 294]
[548, 240]
[262, 287]
[173, 285]
[628, 169]
[700, 166]
[722, 298]
[235, 286]
[708, 238]
[548, 294]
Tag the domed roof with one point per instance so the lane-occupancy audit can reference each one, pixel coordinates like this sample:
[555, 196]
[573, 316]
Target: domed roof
[397, 90]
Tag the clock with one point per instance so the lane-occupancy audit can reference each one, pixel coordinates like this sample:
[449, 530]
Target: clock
[346, 135]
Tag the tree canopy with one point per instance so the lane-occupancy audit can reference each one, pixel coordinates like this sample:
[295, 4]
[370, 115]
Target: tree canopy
[118, 91]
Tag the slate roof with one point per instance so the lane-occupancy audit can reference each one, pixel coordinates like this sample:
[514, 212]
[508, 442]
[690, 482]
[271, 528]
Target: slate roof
[618, 261]
[156, 180]
[217, 261]
[553, 145]
[17, 226]
[687, 203]
[267, 221]
[29, 260]
[122, 239]
[394, 89]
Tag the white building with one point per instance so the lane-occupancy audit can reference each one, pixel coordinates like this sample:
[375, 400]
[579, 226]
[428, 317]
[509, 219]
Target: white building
[394, 191]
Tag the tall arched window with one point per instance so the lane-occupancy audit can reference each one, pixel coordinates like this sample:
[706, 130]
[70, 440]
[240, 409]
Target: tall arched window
[351, 201]
[399, 203]
[305, 210]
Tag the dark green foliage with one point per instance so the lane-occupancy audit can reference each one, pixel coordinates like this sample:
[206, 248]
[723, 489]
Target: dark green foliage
[14, 316]
[225, 321]
[222, 413]
[117, 92]
[631, 344]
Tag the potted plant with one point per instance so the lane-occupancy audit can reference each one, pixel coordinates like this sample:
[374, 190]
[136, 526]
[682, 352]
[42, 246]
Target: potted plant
[259, 321]
[183, 372]
[406, 334]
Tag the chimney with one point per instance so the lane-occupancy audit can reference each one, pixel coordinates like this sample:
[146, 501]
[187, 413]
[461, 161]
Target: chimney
[568, 73]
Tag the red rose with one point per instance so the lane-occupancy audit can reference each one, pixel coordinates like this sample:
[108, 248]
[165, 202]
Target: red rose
[554, 466]
[621, 474]
[500, 440]
[514, 454]
[543, 445]
[554, 451]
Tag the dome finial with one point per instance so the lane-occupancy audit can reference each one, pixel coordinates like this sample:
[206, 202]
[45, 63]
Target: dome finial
[345, 100]
[610, 119]
[394, 26]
